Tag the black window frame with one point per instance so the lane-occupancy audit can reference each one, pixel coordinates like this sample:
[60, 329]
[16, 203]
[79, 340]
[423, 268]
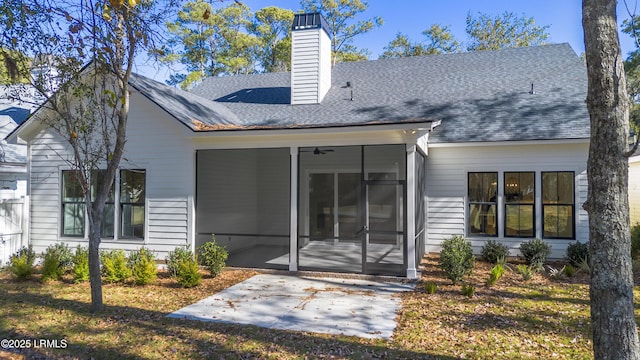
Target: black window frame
[133, 204]
[81, 203]
[96, 178]
[559, 204]
[482, 203]
[508, 202]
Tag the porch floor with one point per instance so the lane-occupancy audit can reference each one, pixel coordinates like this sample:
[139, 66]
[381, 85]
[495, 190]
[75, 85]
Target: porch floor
[382, 259]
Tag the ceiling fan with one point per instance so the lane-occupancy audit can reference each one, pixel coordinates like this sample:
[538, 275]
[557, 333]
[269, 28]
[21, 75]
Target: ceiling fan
[318, 151]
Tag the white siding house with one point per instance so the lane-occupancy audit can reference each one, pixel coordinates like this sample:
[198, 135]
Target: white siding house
[360, 167]
[447, 196]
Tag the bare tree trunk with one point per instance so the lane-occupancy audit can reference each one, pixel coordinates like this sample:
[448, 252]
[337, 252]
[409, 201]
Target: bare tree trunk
[95, 278]
[94, 271]
[614, 329]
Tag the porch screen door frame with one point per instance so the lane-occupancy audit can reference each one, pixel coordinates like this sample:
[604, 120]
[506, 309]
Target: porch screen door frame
[367, 231]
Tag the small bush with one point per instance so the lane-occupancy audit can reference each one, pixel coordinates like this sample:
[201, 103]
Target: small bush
[569, 270]
[556, 273]
[456, 258]
[114, 266]
[493, 250]
[188, 275]
[57, 259]
[468, 290]
[176, 257]
[577, 252]
[535, 252]
[635, 241]
[81, 264]
[584, 266]
[21, 263]
[495, 275]
[430, 288]
[213, 256]
[143, 266]
[526, 271]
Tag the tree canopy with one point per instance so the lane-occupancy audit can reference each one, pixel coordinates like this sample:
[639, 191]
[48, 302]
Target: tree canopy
[484, 32]
[343, 28]
[439, 40]
[227, 40]
[85, 53]
[508, 30]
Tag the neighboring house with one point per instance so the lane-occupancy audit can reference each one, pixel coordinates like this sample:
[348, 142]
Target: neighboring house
[357, 168]
[13, 157]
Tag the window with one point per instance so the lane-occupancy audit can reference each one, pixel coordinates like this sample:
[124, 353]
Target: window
[132, 199]
[558, 204]
[107, 227]
[131, 202]
[483, 189]
[72, 204]
[519, 195]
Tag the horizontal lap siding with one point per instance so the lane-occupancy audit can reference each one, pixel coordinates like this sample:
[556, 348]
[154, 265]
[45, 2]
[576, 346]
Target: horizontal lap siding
[48, 155]
[156, 143]
[447, 169]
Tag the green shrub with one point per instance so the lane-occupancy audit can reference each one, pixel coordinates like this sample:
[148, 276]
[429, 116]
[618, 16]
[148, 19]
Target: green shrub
[495, 274]
[493, 250]
[187, 274]
[21, 263]
[175, 257]
[456, 258]
[468, 290]
[569, 270]
[584, 266]
[577, 252]
[556, 273]
[635, 241]
[213, 256]
[143, 266]
[430, 287]
[526, 271]
[535, 252]
[57, 259]
[81, 264]
[114, 266]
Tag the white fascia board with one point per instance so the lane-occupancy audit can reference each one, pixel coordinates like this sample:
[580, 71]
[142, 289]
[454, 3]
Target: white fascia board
[509, 143]
[316, 130]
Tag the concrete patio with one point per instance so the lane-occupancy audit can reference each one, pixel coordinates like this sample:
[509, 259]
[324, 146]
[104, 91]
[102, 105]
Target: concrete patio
[351, 307]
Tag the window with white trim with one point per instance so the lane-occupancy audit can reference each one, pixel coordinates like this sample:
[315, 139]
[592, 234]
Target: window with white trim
[107, 226]
[129, 201]
[132, 199]
[73, 208]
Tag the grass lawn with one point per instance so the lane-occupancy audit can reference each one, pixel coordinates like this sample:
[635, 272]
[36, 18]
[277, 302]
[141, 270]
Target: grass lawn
[539, 319]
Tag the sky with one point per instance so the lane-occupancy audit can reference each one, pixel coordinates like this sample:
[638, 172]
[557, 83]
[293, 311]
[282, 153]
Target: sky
[411, 17]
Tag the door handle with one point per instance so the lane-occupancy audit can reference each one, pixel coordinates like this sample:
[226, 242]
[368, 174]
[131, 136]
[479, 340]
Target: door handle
[364, 228]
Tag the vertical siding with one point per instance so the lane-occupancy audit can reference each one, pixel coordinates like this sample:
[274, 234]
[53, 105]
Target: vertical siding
[169, 180]
[447, 169]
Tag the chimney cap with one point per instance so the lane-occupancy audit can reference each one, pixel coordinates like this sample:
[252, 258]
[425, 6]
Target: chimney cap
[310, 21]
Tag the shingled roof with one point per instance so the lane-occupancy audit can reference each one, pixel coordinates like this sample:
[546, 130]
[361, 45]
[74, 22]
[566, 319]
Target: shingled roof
[478, 96]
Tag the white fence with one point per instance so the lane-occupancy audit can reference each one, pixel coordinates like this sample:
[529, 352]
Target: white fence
[13, 225]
